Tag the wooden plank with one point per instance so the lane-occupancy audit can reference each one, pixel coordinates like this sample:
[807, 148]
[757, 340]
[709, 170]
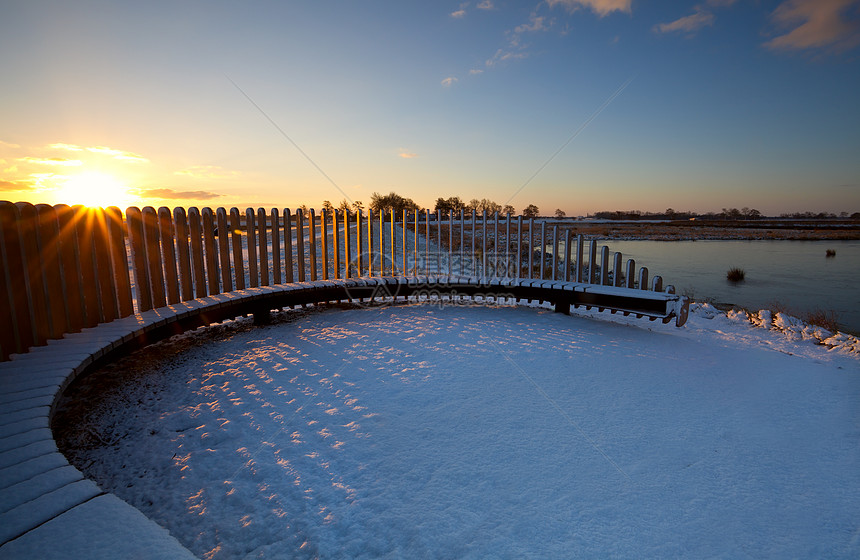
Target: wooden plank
[543, 258]
[119, 261]
[27, 221]
[104, 274]
[519, 247]
[495, 267]
[48, 239]
[276, 245]
[643, 278]
[604, 265]
[381, 242]
[300, 244]
[580, 269]
[358, 242]
[17, 298]
[195, 234]
[508, 247]
[554, 251]
[531, 248]
[224, 249]
[251, 245]
[71, 268]
[370, 242]
[631, 274]
[592, 262]
[183, 254]
[657, 284]
[288, 246]
[11, 304]
[88, 265]
[211, 252]
[167, 233]
[263, 243]
[335, 243]
[416, 252]
[473, 257]
[324, 242]
[393, 230]
[450, 241]
[617, 275]
[346, 244]
[236, 245]
[405, 218]
[134, 222]
[567, 253]
[153, 256]
[312, 247]
[438, 241]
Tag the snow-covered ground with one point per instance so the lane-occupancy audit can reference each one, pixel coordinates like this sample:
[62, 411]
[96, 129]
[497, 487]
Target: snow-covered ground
[428, 431]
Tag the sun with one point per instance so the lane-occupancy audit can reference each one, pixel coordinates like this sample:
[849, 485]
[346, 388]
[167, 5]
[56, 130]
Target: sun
[95, 189]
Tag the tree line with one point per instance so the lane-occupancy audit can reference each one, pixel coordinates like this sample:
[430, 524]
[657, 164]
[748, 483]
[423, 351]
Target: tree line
[398, 203]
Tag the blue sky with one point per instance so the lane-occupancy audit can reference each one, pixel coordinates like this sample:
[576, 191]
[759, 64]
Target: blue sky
[690, 105]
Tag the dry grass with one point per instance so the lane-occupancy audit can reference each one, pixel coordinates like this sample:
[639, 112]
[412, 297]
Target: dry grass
[735, 275]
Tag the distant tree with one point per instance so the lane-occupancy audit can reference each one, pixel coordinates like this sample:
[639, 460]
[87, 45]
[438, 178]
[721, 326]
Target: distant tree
[508, 209]
[344, 206]
[670, 213]
[453, 203]
[531, 211]
[490, 206]
[304, 209]
[474, 204]
[327, 206]
[380, 203]
[357, 205]
[559, 213]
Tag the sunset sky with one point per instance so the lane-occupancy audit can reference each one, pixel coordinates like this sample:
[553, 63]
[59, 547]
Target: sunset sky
[583, 105]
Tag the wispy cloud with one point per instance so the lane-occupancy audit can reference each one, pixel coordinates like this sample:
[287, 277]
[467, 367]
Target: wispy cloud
[702, 16]
[103, 150]
[8, 145]
[485, 5]
[461, 11]
[687, 24]
[15, 185]
[178, 195]
[449, 81]
[405, 154]
[118, 154]
[61, 162]
[207, 172]
[816, 24]
[600, 7]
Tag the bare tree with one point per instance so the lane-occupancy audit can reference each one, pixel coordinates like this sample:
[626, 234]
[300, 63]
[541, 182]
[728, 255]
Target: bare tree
[559, 213]
[531, 211]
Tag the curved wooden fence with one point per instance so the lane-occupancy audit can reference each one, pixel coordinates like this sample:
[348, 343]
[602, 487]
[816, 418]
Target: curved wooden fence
[68, 268]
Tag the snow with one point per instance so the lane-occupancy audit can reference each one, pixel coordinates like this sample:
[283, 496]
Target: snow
[437, 431]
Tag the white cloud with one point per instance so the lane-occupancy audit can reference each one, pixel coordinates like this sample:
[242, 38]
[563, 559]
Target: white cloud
[475, 71]
[461, 12]
[816, 24]
[69, 147]
[59, 162]
[687, 24]
[485, 5]
[599, 7]
[449, 81]
[406, 154]
[536, 23]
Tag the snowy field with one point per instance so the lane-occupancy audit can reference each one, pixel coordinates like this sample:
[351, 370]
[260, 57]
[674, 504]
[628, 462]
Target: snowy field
[421, 431]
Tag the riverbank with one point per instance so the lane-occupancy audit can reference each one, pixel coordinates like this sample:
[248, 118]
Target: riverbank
[797, 230]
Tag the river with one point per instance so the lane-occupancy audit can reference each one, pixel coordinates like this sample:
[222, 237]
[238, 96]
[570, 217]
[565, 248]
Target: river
[796, 275]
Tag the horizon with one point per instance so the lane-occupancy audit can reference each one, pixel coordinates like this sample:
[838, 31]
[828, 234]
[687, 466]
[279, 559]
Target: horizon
[581, 105]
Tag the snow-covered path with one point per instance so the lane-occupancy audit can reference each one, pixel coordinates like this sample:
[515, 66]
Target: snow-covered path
[439, 432]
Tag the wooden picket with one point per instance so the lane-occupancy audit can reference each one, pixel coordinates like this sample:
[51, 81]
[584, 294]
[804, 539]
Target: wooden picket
[66, 268]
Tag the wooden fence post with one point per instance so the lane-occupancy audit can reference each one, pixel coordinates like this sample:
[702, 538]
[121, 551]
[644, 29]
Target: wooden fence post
[183, 255]
[276, 245]
[358, 250]
[168, 239]
[300, 244]
[236, 245]
[119, 260]
[263, 243]
[312, 246]
[195, 233]
[153, 256]
[71, 266]
[48, 243]
[224, 249]
[592, 262]
[104, 276]
[335, 241]
[251, 243]
[211, 252]
[288, 245]
[12, 305]
[631, 273]
[134, 222]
